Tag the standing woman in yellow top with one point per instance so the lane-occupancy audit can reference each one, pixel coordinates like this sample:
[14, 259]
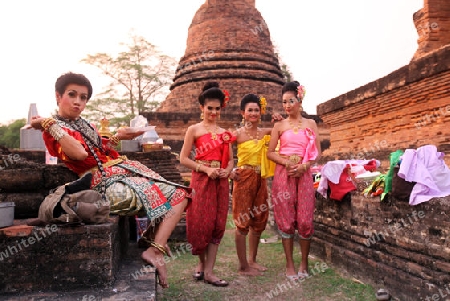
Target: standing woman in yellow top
[250, 206]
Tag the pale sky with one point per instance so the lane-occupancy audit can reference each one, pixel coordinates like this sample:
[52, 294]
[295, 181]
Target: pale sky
[331, 46]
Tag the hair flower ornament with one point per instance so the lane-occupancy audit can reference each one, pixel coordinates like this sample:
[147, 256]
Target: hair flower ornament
[263, 103]
[227, 98]
[301, 92]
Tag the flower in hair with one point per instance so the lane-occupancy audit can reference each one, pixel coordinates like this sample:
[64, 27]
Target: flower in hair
[263, 104]
[227, 98]
[301, 92]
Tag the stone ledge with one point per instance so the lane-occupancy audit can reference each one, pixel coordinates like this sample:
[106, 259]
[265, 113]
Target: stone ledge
[61, 257]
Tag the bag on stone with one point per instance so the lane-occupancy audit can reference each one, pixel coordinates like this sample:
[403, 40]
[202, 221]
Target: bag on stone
[75, 202]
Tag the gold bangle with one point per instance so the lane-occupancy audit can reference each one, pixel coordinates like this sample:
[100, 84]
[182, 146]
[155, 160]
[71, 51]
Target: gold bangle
[47, 123]
[286, 164]
[114, 140]
[197, 169]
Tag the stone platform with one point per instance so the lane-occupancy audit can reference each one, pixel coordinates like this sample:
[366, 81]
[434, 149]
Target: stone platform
[61, 257]
[133, 281]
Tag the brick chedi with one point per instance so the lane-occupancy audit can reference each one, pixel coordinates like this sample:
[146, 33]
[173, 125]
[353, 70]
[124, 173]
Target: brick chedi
[229, 42]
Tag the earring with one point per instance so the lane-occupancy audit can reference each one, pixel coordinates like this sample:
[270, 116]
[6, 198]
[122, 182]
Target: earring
[243, 121]
[301, 108]
[201, 116]
[260, 121]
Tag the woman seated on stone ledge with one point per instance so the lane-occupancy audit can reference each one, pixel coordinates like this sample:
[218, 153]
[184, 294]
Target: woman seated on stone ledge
[129, 186]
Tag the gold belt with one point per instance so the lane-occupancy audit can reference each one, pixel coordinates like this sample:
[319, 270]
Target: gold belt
[210, 163]
[106, 164]
[293, 158]
[256, 168]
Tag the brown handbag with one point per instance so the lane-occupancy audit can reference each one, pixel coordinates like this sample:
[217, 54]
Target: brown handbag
[86, 206]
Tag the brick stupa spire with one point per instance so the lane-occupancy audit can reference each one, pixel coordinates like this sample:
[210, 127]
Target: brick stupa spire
[228, 42]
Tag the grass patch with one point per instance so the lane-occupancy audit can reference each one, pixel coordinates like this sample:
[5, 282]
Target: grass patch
[323, 285]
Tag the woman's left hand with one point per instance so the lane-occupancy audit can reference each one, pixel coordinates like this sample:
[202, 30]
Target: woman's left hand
[296, 170]
[224, 173]
[128, 133]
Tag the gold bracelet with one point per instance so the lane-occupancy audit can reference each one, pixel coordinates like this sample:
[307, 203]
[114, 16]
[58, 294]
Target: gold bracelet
[114, 140]
[56, 131]
[197, 169]
[286, 164]
[47, 123]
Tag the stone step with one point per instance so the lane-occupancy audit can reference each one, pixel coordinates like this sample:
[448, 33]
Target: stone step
[61, 257]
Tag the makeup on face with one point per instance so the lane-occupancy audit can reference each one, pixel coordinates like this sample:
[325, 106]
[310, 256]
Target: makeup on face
[73, 101]
[252, 110]
[211, 108]
[76, 94]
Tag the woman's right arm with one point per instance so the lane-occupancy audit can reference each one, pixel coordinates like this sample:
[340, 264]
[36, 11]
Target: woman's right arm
[271, 153]
[185, 160]
[69, 145]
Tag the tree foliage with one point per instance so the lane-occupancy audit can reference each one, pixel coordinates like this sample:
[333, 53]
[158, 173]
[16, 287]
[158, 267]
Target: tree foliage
[138, 77]
[285, 69]
[10, 134]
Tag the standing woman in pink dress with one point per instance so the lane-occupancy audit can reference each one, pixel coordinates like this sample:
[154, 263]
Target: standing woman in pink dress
[207, 214]
[293, 197]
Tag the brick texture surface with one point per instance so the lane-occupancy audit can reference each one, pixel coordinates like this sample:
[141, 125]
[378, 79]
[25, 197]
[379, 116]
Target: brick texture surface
[387, 244]
[61, 258]
[408, 108]
[229, 42]
[433, 27]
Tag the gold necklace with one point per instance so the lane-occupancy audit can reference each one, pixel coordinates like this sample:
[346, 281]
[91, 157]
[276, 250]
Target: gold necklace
[295, 128]
[255, 139]
[213, 134]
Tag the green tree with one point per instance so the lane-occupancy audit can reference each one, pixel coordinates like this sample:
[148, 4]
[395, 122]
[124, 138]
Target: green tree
[10, 134]
[138, 77]
[285, 70]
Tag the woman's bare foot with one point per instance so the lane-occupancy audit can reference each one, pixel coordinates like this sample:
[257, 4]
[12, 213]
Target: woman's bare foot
[155, 258]
[290, 272]
[257, 266]
[249, 272]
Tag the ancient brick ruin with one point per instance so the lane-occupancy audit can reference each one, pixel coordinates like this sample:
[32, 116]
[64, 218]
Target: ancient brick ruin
[228, 42]
[405, 109]
[57, 257]
[382, 243]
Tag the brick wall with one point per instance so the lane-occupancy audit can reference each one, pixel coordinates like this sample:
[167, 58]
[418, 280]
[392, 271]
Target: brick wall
[406, 109]
[387, 244]
[61, 258]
